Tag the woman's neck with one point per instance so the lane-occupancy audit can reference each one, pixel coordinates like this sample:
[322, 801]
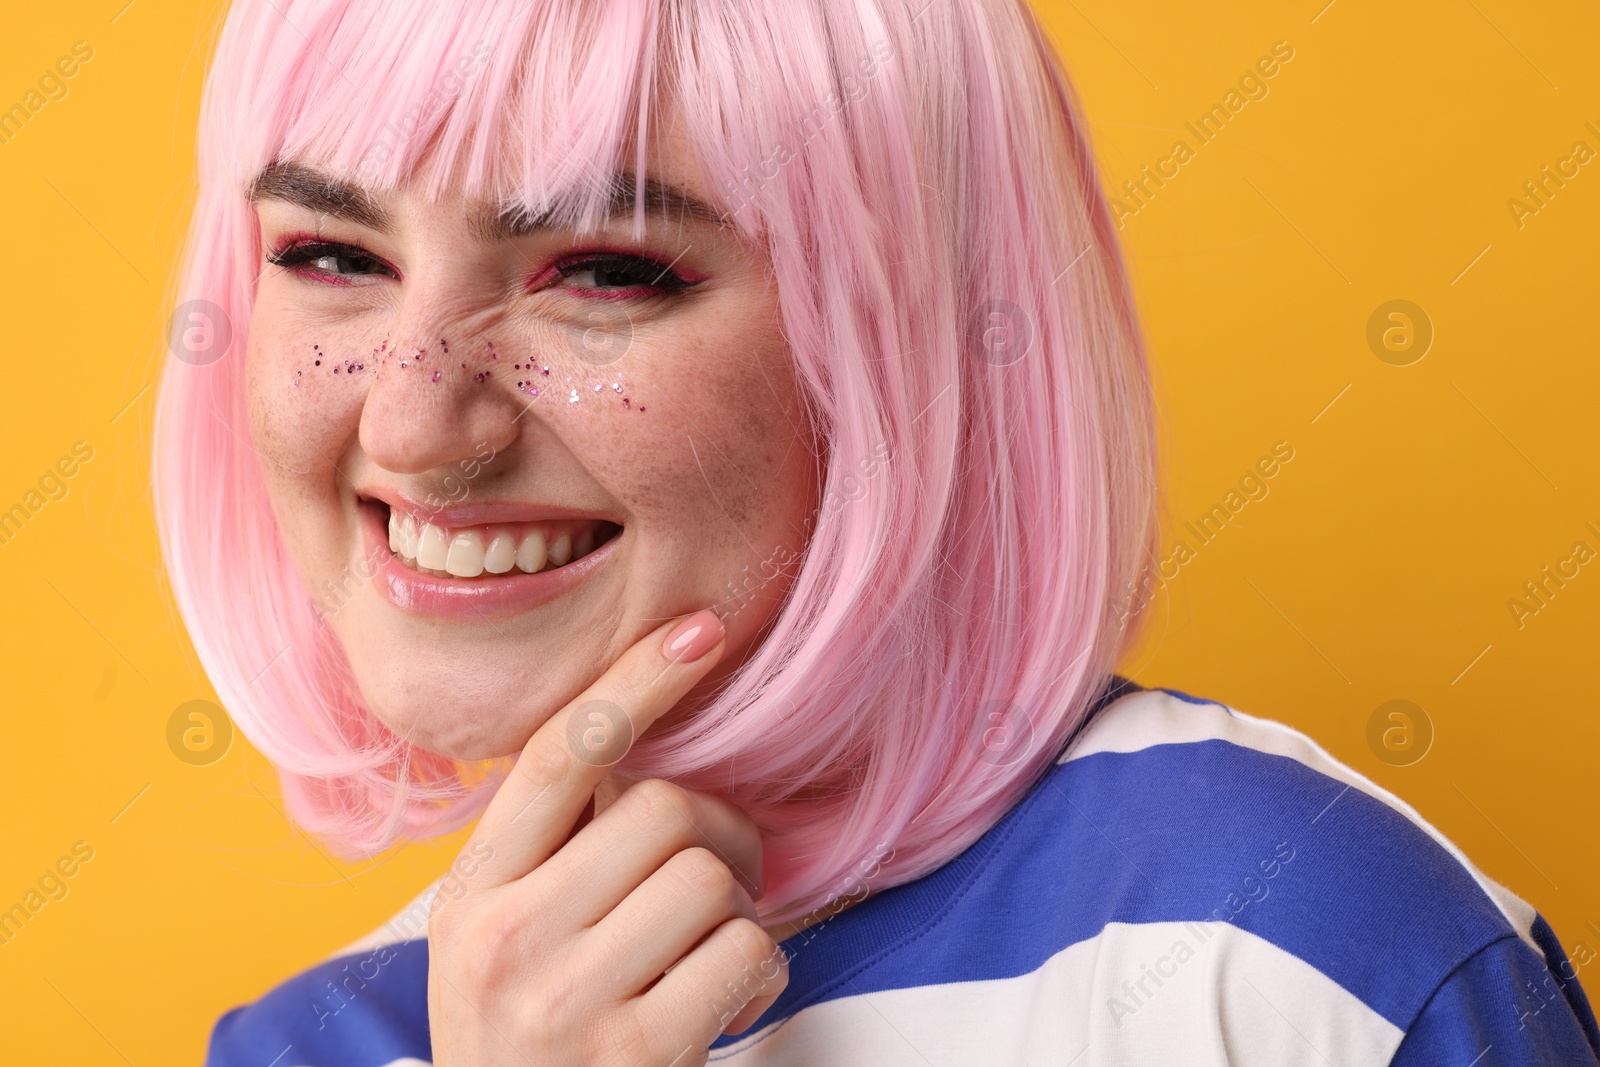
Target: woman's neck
[821, 914]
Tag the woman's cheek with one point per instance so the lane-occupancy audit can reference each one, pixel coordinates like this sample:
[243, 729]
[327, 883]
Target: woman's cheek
[714, 456]
[305, 399]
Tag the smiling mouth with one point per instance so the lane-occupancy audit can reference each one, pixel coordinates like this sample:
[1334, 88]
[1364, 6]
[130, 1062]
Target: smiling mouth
[472, 552]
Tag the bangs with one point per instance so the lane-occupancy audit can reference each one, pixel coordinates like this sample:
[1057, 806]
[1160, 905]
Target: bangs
[537, 106]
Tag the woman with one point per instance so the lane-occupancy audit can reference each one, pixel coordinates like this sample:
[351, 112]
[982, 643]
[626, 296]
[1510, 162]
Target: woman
[716, 443]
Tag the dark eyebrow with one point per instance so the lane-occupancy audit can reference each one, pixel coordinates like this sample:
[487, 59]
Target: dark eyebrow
[315, 190]
[665, 201]
[310, 188]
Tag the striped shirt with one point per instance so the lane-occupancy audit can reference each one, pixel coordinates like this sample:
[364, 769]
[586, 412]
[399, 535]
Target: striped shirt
[1187, 884]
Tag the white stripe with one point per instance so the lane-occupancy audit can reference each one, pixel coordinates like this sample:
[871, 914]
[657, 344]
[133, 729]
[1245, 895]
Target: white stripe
[1225, 997]
[408, 924]
[1145, 719]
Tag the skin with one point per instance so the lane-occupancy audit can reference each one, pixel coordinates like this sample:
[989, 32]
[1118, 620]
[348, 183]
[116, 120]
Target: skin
[630, 940]
[711, 469]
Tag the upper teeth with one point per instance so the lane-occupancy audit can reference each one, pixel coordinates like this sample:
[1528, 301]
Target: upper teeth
[470, 551]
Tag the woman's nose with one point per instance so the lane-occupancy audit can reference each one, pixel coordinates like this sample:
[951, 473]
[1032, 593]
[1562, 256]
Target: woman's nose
[434, 403]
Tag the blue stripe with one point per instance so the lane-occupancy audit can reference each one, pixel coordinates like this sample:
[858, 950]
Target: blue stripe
[362, 1010]
[1505, 1007]
[1171, 833]
[1187, 699]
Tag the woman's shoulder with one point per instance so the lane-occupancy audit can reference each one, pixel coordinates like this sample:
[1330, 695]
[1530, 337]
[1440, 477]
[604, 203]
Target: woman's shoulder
[1189, 830]
[1169, 769]
[365, 1006]
[1186, 884]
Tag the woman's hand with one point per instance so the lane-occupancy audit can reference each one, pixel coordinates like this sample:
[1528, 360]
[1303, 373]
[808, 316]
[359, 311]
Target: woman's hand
[632, 939]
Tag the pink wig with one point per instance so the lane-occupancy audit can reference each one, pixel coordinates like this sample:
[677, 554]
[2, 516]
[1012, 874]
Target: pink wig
[959, 315]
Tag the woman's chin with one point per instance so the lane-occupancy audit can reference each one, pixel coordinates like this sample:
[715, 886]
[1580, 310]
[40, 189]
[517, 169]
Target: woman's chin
[467, 726]
[455, 732]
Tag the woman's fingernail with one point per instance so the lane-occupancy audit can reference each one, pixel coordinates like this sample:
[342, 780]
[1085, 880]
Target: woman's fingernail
[694, 637]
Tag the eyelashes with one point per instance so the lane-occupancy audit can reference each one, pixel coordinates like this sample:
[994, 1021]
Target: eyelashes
[629, 274]
[299, 256]
[605, 274]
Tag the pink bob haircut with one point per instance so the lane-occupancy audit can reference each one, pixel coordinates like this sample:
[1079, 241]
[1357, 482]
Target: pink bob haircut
[960, 319]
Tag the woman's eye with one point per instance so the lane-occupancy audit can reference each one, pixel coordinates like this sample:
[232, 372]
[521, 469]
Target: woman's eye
[332, 260]
[614, 273]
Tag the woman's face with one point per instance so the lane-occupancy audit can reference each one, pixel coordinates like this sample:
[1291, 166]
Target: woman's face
[514, 394]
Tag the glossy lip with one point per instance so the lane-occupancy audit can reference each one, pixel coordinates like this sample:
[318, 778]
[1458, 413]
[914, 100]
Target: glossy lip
[486, 597]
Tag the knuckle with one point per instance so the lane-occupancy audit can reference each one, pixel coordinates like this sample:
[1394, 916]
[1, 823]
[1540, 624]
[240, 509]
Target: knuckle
[563, 1002]
[483, 958]
[478, 973]
[490, 948]
[753, 946]
[704, 873]
[661, 806]
[545, 759]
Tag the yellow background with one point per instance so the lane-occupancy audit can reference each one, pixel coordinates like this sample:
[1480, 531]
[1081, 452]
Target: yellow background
[1419, 500]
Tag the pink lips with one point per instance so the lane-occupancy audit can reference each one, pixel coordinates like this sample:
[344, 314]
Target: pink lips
[487, 597]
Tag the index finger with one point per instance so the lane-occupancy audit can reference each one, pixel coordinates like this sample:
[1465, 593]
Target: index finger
[565, 760]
